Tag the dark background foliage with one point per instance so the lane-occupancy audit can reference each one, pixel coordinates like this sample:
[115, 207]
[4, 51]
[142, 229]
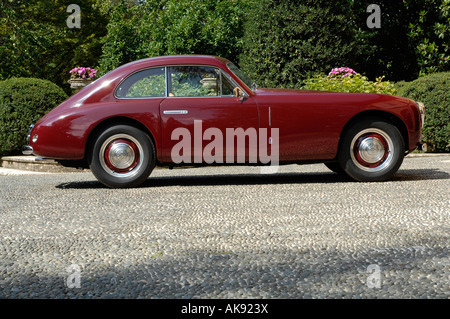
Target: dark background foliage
[278, 41]
[413, 39]
[36, 42]
[286, 42]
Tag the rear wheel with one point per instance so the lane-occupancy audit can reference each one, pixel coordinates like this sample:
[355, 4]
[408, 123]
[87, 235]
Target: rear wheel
[372, 150]
[122, 156]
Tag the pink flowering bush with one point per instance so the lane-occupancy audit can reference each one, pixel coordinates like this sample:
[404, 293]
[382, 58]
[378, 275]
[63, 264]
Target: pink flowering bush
[83, 73]
[343, 72]
[348, 80]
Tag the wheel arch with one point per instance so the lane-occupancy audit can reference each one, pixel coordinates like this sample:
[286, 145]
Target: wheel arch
[381, 115]
[118, 120]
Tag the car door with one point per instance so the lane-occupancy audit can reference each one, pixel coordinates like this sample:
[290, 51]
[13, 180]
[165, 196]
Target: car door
[202, 121]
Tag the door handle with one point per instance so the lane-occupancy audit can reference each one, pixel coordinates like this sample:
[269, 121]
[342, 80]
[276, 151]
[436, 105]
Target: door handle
[176, 112]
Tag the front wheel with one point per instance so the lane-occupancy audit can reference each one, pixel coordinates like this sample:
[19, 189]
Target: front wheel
[371, 151]
[122, 156]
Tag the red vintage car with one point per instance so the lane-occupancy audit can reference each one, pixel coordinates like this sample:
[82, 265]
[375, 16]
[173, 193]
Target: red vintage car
[202, 110]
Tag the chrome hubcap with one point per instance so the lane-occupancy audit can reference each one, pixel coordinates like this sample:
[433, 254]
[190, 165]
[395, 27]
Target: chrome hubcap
[372, 150]
[121, 155]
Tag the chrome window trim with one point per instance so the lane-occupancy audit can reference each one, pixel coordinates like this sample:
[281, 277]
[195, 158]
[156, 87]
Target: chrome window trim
[232, 82]
[200, 97]
[166, 74]
[252, 87]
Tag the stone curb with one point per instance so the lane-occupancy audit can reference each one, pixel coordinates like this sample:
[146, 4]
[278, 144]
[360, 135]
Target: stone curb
[427, 155]
[29, 163]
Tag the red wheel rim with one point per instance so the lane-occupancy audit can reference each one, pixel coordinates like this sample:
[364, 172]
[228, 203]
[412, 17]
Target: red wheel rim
[371, 150]
[121, 155]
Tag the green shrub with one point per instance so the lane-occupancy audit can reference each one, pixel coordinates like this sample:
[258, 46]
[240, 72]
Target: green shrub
[23, 101]
[433, 91]
[354, 83]
[288, 41]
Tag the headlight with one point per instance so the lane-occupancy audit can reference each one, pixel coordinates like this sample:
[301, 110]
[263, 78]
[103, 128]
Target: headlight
[421, 108]
[35, 138]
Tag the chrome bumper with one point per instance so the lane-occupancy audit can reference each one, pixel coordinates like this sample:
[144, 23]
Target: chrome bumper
[421, 108]
[27, 149]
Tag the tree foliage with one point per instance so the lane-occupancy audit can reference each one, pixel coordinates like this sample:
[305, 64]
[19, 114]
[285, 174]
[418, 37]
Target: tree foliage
[413, 38]
[163, 27]
[297, 40]
[281, 43]
[288, 41]
[36, 41]
[429, 35]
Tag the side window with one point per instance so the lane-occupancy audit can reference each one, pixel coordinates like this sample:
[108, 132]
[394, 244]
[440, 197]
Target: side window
[194, 81]
[227, 87]
[142, 84]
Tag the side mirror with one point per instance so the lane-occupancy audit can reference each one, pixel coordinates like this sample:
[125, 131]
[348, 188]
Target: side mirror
[238, 93]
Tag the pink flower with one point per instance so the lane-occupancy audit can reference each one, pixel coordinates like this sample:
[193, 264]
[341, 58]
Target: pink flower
[342, 72]
[83, 72]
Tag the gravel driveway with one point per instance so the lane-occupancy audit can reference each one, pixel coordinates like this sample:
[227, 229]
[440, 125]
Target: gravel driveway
[228, 233]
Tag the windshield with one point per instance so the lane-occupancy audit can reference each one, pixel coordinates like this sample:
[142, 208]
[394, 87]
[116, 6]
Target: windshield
[241, 75]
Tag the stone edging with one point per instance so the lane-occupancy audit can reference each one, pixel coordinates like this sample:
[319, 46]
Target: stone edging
[29, 163]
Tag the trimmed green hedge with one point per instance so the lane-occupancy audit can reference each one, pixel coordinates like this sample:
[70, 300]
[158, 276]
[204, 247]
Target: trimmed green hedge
[286, 42]
[23, 101]
[433, 91]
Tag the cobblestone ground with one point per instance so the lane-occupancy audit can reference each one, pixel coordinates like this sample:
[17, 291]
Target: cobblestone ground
[228, 232]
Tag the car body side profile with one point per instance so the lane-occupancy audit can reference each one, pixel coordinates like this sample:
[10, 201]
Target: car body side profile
[176, 110]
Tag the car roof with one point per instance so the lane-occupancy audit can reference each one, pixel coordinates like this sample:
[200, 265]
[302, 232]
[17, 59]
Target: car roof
[118, 74]
[194, 59]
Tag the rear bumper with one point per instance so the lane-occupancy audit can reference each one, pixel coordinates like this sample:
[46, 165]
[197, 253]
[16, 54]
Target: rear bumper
[421, 108]
[421, 145]
[27, 150]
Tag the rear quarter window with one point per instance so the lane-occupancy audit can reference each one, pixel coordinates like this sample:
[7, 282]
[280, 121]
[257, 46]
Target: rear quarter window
[143, 84]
